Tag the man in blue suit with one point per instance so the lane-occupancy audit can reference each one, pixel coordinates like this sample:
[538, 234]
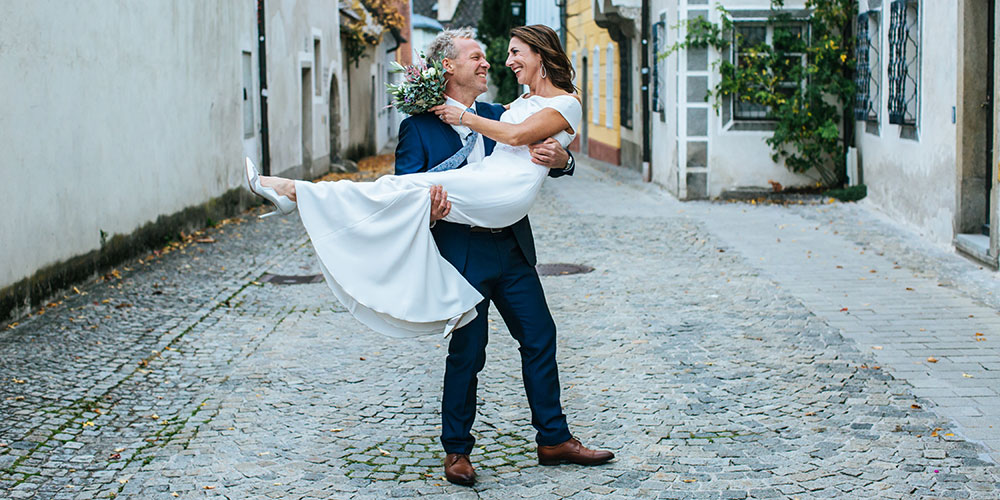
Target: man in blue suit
[499, 263]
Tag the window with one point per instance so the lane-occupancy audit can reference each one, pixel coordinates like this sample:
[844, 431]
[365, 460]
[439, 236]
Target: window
[869, 72]
[317, 67]
[659, 69]
[247, 95]
[748, 35]
[595, 82]
[625, 83]
[609, 88]
[904, 62]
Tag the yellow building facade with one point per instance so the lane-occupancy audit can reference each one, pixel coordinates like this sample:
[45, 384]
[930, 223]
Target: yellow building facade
[595, 57]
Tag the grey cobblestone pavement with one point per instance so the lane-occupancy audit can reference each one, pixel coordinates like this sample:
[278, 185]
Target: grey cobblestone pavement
[713, 374]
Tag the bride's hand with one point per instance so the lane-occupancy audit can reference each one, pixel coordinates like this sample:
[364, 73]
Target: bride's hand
[448, 114]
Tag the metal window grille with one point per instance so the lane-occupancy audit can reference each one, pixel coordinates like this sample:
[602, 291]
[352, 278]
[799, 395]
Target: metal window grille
[748, 35]
[863, 74]
[659, 38]
[904, 52]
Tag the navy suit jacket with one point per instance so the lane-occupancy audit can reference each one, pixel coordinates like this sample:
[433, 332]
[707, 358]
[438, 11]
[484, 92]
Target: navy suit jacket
[424, 142]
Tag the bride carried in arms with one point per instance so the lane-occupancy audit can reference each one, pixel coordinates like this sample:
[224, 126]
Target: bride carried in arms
[373, 239]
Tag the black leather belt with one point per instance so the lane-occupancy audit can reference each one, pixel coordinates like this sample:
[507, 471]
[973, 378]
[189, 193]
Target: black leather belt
[494, 230]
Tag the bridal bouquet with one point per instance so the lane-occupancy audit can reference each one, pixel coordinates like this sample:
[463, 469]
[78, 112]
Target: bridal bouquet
[421, 89]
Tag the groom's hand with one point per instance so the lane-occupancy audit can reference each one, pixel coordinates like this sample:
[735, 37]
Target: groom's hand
[440, 206]
[549, 153]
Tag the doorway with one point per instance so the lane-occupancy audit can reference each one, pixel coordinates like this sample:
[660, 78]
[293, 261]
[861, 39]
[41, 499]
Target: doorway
[307, 122]
[334, 97]
[975, 129]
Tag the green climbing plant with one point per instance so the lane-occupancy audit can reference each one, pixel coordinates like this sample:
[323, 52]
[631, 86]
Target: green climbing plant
[803, 79]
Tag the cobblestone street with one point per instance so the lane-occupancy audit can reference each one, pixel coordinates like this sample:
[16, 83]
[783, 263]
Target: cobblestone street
[723, 351]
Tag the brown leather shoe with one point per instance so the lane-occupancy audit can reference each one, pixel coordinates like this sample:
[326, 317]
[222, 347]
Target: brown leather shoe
[572, 452]
[458, 469]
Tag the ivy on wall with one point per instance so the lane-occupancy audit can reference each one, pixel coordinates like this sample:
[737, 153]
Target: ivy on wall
[375, 17]
[809, 126]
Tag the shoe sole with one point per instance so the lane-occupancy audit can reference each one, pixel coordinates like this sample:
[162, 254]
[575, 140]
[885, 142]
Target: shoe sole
[562, 462]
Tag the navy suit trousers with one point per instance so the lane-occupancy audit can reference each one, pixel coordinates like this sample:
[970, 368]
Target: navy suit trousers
[496, 266]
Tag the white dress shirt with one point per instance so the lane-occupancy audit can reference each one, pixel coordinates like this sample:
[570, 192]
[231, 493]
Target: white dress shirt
[479, 150]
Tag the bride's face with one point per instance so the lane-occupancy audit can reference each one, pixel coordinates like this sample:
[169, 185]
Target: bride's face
[523, 61]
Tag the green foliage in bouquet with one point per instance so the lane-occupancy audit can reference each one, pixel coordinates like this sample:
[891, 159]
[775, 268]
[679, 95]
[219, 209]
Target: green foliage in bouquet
[421, 89]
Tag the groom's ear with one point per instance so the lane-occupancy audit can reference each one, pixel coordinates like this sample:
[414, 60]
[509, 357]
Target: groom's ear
[446, 64]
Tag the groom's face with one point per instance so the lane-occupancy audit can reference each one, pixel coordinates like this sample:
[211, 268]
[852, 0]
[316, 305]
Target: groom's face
[468, 68]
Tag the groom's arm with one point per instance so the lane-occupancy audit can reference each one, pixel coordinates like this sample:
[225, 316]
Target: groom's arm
[410, 154]
[549, 153]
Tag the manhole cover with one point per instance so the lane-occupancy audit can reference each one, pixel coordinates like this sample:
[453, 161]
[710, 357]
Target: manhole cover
[562, 269]
[285, 279]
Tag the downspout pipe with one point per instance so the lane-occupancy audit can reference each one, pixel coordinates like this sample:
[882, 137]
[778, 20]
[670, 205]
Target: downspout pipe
[647, 169]
[265, 147]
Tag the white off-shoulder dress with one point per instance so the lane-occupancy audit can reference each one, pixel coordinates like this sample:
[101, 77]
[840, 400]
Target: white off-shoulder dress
[374, 243]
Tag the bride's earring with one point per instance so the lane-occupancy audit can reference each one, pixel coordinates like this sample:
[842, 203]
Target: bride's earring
[544, 74]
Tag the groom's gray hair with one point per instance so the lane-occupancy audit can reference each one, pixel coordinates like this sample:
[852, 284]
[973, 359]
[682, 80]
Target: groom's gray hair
[443, 45]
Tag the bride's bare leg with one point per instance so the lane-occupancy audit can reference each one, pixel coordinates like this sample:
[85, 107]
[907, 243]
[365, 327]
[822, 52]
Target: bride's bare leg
[284, 187]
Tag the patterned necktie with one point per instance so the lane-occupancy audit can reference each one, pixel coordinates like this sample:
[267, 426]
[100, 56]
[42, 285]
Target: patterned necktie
[456, 159]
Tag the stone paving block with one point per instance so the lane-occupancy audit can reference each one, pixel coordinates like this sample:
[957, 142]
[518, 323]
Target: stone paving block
[709, 374]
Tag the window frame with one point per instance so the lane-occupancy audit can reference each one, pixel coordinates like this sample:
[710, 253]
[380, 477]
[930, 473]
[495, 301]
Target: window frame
[734, 54]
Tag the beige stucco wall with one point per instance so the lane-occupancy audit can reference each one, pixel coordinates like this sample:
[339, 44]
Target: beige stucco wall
[914, 181]
[115, 114]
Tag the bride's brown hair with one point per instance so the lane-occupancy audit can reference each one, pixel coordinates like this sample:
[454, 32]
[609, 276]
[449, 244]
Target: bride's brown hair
[544, 40]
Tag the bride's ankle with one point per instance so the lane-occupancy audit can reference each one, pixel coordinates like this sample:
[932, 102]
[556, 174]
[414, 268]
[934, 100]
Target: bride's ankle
[282, 186]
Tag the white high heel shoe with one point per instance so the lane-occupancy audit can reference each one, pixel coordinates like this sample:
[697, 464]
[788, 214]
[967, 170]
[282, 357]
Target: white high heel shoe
[283, 203]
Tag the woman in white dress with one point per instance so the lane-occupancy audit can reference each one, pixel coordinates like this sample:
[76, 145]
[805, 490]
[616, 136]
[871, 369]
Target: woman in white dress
[373, 239]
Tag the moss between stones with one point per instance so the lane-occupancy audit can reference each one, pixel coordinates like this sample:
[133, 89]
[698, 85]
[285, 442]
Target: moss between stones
[36, 289]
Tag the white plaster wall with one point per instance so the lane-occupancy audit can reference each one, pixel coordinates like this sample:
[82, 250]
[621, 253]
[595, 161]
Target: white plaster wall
[542, 12]
[663, 134]
[915, 180]
[115, 114]
[291, 27]
[742, 158]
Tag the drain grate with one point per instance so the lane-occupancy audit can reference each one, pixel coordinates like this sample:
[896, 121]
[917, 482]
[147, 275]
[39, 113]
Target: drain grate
[562, 269]
[286, 279]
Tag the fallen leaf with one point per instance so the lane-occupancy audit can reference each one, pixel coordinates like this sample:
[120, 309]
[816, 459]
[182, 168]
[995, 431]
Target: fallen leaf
[123, 481]
[338, 429]
[88, 424]
[174, 494]
[154, 416]
[208, 239]
[362, 358]
[689, 480]
[383, 452]
[115, 456]
[877, 347]
[932, 359]
[811, 414]
[966, 375]
[119, 450]
[950, 435]
[908, 289]
[843, 309]
[209, 487]
[915, 406]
